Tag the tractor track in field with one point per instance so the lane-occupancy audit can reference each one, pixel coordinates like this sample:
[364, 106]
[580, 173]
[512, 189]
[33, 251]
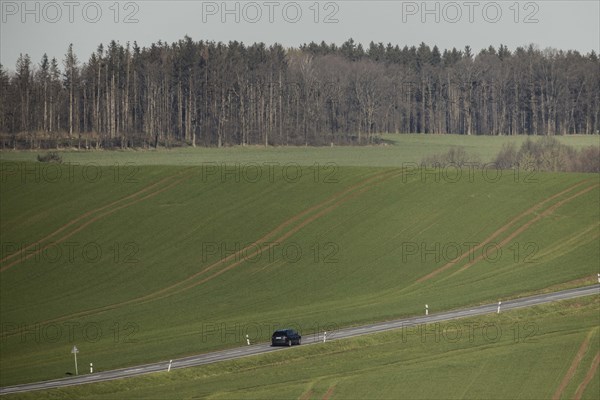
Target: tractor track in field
[306, 395]
[588, 377]
[572, 241]
[329, 392]
[242, 255]
[286, 224]
[82, 218]
[574, 364]
[280, 239]
[501, 230]
[330, 204]
[528, 224]
[87, 214]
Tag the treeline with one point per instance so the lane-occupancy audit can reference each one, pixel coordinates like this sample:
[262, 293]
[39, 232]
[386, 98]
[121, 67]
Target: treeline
[216, 94]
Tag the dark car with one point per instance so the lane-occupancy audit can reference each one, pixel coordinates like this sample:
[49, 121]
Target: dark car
[285, 337]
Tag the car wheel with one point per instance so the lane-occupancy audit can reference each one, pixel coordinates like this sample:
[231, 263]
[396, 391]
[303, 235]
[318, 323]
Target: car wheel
[299, 341]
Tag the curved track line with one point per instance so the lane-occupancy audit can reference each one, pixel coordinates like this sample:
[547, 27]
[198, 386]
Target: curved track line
[276, 263]
[164, 292]
[528, 224]
[261, 250]
[576, 361]
[329, 392]
[289, 222]
[306, 395]
[571, 242]
[588, 377]
[496, 233]
[87, 214]
[285, 236]
[285, 224]
[89, 222]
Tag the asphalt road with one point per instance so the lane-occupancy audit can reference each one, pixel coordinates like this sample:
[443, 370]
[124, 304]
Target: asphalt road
[262, 348]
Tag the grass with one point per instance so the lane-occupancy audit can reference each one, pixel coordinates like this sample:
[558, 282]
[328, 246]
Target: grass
[345, 262]
[520, 354]
[401, 149]
[140, 263]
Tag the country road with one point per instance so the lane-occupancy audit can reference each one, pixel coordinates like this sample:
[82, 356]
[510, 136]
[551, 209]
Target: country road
[261, 348]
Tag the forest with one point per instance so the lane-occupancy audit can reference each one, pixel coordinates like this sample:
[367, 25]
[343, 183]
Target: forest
[203, 93]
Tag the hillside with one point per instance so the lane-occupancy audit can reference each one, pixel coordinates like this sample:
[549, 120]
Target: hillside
[181, 260]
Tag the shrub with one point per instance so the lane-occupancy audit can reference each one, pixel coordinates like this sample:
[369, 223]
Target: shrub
[507, 157]
[50, 156]
[548, 154]
[588, 160]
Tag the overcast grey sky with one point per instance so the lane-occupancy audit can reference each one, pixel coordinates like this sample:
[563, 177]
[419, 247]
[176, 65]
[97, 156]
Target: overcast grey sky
[49, 26]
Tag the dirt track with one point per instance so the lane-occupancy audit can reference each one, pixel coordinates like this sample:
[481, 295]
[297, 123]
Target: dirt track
[588, 377]
[175, 288]
[82, 218]
[576, 361]
[503, 229]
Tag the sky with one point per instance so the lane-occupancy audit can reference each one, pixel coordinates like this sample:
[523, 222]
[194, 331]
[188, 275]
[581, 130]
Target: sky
[38, 27]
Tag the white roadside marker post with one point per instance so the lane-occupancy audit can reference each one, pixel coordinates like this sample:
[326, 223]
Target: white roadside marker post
[324, 336]
[170, 362]
[74, 351]
[91, 368]
[598, 278]
[247, 340]
[498, 312]
[426, 309]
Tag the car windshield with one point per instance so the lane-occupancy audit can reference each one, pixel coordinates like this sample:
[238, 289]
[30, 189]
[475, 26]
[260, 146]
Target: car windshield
[279, 333]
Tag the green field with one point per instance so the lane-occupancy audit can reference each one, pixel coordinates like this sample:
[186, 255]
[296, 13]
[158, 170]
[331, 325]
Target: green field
[399, 149]
[524, 354]
[186, 251]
